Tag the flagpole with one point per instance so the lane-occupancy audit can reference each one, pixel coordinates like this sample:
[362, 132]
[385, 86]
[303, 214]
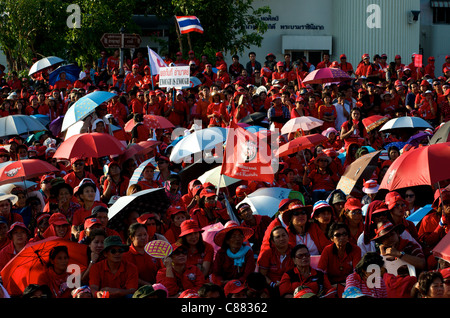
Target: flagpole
[150, 65]
[177, 27]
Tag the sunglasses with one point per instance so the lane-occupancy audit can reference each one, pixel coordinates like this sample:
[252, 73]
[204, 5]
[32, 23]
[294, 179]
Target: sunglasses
[338, 235]
[118, 250]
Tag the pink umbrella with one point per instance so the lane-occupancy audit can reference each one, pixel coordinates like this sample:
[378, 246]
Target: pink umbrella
[326, 75]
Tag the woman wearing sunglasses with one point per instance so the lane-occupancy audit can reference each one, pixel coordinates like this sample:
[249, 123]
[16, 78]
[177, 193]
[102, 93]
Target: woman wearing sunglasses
[339, 259]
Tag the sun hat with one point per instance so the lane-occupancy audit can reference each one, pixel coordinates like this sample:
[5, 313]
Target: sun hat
[17, 225]
[384, 228]
[11, 197]
[113, 240]
[293, 206]
[175, 209]
[189, 293]
[370, 186]
[322, 155]
[321, 204]
[188, 227]
[219, 237]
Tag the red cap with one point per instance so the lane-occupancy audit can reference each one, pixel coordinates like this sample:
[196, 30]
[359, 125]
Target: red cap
[90, 222]
[58, 219]
[188, 227]
[174, 209]
[242, 190]
[353, 204]
[233, 287]
[392, 198]
[207, 193]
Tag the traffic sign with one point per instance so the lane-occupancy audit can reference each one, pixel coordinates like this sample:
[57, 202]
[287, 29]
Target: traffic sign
[119, 40]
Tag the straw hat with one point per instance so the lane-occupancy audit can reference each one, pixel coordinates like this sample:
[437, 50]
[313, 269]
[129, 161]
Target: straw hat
[230, 226]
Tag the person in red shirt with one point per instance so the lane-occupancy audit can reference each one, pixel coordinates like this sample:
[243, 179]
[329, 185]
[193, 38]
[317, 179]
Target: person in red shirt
[147, 181]
[177, 111]
[209, 210]
[321, 180]
[327, 112]
[137, 103]
[216, 111]
[274, 262]
[428, 108]
[18, 235]
[177, 275]
[222, 77]
[176, 214]
[113, 61]
[191, 57]
[339, 259]
[114, 274]
[179, 59]
[152, 107]
[141, 61]
[117, 109]
[346, 66]
[364, 68]
[115, 184]
[220, 60]
[132, 78]
[280, 74]
[15, 83]
[446, 64]
[78, 173]
[325, 63]
[147, 265]
[88, 197]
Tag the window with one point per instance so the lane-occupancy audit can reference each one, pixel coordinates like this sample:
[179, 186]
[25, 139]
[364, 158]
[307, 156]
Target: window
[441, 11]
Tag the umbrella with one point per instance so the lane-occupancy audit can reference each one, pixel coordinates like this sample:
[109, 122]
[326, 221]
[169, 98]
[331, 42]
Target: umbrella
[138, 171]
[44, 63]
[84, 107]
[30, 262]
[89, 145]
[359, 170]
[194, 81]
[7, 188]
[21, 170]
[193, 171]
[199, 140]
[398, 144]
[72, 73]
[305, 123]
[55, 125]
[265, 201]
[151, 200]
[442, 249]
[300, 143]
[326, 75]
[416, 139]
[19, 124]
[374, 121]
[43, 119]
[441, 135]
[215, 178]
[256, 118]
[406, 122]
[150, 122]
[420, 166]
[140, 148]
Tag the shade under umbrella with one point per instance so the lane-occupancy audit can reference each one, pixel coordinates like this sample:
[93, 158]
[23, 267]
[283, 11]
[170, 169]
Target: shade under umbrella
[44, 63]
[359, 170]
[89, 145]
[326, 75]
[151, 200]
[406, 122]
[19, 124]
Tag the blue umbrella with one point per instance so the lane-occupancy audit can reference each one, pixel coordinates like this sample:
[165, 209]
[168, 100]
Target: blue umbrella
[84, 107]
[72, 73]
[44, 119]
[398, 144]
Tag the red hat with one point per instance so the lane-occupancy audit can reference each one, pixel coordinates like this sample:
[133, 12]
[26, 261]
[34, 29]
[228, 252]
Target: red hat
[230, 226]
[189, 293]
[17, 224]
[304, 292]
[207, 193]
[280, 63]
[191, 52]
[293, 206]
[144, 217]
[3, 151]
[242, 190]
[174, 209]
[41, 217]
[219, 54]
[188, 227]
[365, 56]
[233, 287]
[370, 186]
[179, 53]
[353, 204]
[58, 219]
[342, 56]
[384, 228]
[392, 198]
[75, 159]
[283, 204]
[424, 83]
[398, 57]
[47, 177]
[90, 222]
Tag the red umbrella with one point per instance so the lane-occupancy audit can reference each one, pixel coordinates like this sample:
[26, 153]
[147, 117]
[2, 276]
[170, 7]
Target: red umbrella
[442, 249]
[140, 148]
[422, 166]
[151, 122]
[326, 75]
[300, 143]
[29, 263]
[89, 145]
[25, 169]
[374, 121]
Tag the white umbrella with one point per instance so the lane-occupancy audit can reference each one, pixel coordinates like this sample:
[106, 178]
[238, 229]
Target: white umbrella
[213, 176]
[44, 63]
[305, 123]
[19, 124]
[406, 122]
[199, 140]
[265, 201]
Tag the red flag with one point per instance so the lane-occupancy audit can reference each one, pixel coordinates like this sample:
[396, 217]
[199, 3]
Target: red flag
[418, 60]
[246, 156]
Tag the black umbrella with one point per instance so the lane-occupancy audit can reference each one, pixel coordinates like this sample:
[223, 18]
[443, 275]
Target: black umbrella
[255, 118]
[193, 171]
[151, 200]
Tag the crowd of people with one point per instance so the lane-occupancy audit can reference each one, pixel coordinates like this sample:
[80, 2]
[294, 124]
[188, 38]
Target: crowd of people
[320, 245]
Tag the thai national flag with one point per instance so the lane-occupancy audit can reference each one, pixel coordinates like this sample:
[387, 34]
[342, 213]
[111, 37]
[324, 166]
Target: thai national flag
[189, 24]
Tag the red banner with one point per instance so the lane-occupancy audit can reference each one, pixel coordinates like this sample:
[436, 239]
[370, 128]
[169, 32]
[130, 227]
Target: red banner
[246, 156]
[418, 58]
